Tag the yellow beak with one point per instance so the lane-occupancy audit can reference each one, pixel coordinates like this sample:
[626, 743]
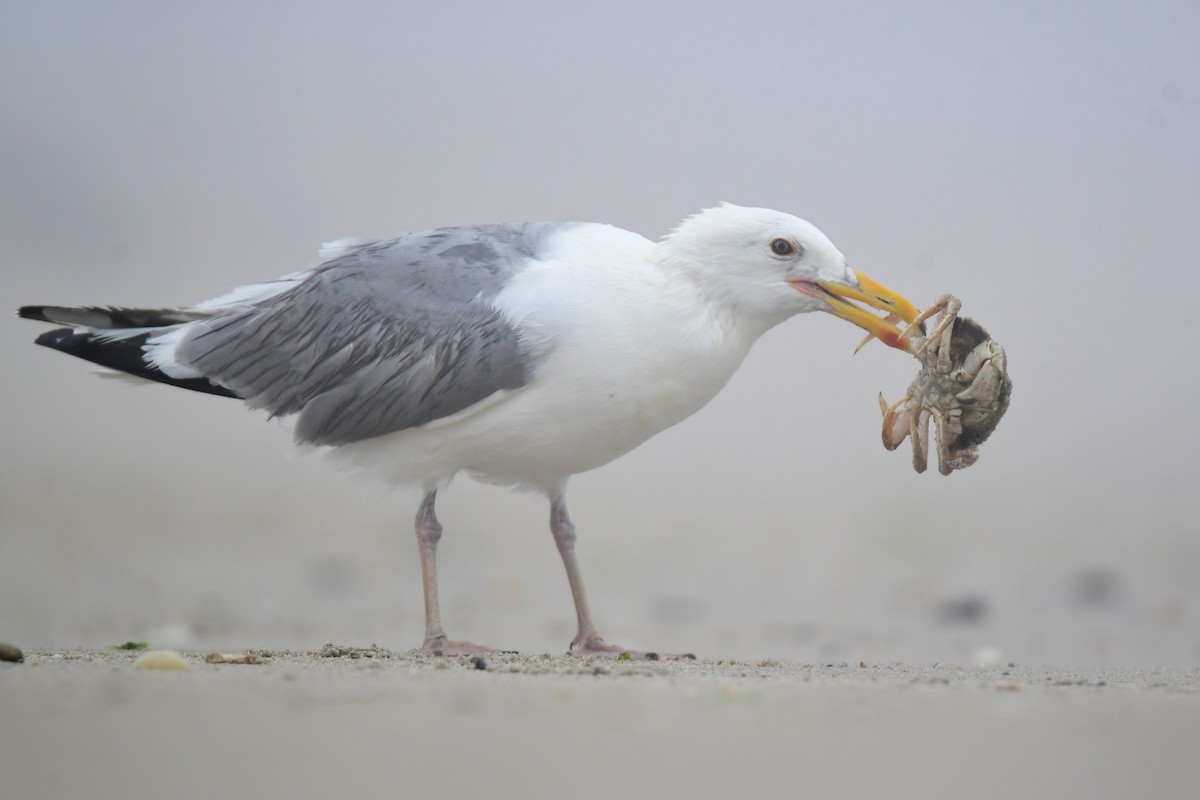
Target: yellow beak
[840, 297]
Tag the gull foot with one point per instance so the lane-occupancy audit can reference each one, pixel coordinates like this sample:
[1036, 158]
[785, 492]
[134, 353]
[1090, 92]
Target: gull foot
[595, 647]
[442, 646]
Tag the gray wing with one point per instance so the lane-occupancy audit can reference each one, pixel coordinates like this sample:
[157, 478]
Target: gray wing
[385, 337]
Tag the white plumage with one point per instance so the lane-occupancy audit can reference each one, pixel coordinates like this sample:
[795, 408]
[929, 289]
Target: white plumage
[521, 355]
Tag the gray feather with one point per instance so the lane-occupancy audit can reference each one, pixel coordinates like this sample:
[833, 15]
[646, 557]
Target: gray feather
[384, 337]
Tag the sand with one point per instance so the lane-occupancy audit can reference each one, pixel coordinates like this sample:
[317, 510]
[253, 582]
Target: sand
[348, 721]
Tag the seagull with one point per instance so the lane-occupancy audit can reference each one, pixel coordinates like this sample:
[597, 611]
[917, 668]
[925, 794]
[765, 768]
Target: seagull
[520, 354]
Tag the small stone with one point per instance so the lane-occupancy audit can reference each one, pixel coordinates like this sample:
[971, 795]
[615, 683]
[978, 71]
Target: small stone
[232, 658]
[168, 660]
[964, 610]
[1096, 588]
[988, 657]
[479, 662]
[11, 653]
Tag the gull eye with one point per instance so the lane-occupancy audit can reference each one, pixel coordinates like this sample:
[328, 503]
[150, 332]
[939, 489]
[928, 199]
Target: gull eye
[782, 247]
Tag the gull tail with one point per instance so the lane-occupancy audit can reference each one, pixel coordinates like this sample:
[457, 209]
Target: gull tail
[116, 338]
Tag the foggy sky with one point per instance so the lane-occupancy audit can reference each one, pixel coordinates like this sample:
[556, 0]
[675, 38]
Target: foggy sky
[1040, 161]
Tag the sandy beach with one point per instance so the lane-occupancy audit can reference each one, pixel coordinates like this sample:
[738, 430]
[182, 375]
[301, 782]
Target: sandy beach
[346, 721]
[1025, 628]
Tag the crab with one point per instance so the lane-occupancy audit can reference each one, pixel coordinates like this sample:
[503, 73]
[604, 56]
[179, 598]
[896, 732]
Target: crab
[963, 386]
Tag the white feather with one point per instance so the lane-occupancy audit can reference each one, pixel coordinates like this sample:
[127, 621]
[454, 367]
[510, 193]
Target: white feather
[339, 247]
[109, 374]
[118, 334]
[253, 293]
[161, 349]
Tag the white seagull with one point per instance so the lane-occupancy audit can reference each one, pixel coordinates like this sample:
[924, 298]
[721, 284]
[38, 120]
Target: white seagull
[521, 354]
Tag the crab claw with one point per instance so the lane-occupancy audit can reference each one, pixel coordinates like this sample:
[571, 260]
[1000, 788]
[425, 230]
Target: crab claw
[895, 425]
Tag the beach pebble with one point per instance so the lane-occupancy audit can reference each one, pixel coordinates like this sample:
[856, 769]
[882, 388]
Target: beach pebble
[988, 657]
[965, 610]
[232, 658]
[162, 659]
[10, 653]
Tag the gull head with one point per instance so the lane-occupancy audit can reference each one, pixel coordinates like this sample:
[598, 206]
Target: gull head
[771, 265]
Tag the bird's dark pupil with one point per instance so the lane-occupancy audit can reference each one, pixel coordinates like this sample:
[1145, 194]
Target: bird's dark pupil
[781, 247]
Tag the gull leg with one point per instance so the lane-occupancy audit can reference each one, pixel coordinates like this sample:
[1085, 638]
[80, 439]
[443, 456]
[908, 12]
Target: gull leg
[588, 638]
[588, 641]
[429, 531]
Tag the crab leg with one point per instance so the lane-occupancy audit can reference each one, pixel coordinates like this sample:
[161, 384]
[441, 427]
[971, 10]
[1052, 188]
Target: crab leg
[948, 305]
[943, 353]
[989, 366]
[920, 440]
[943, 443]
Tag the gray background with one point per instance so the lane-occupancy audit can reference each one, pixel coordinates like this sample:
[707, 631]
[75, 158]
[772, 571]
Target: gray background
[1041, 161]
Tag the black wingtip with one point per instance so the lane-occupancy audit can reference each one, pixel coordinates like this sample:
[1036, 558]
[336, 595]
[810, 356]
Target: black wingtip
[126, 355]
[57, 339]
[33, 312]
[98, 317]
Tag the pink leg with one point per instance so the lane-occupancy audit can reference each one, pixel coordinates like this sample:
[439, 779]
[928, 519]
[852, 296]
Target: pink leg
[429, 531]
[587, 641]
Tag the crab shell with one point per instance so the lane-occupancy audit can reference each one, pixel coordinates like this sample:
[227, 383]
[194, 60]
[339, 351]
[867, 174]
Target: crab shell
[963, 387]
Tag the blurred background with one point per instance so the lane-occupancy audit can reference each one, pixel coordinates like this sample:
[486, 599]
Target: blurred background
[1039, 160]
